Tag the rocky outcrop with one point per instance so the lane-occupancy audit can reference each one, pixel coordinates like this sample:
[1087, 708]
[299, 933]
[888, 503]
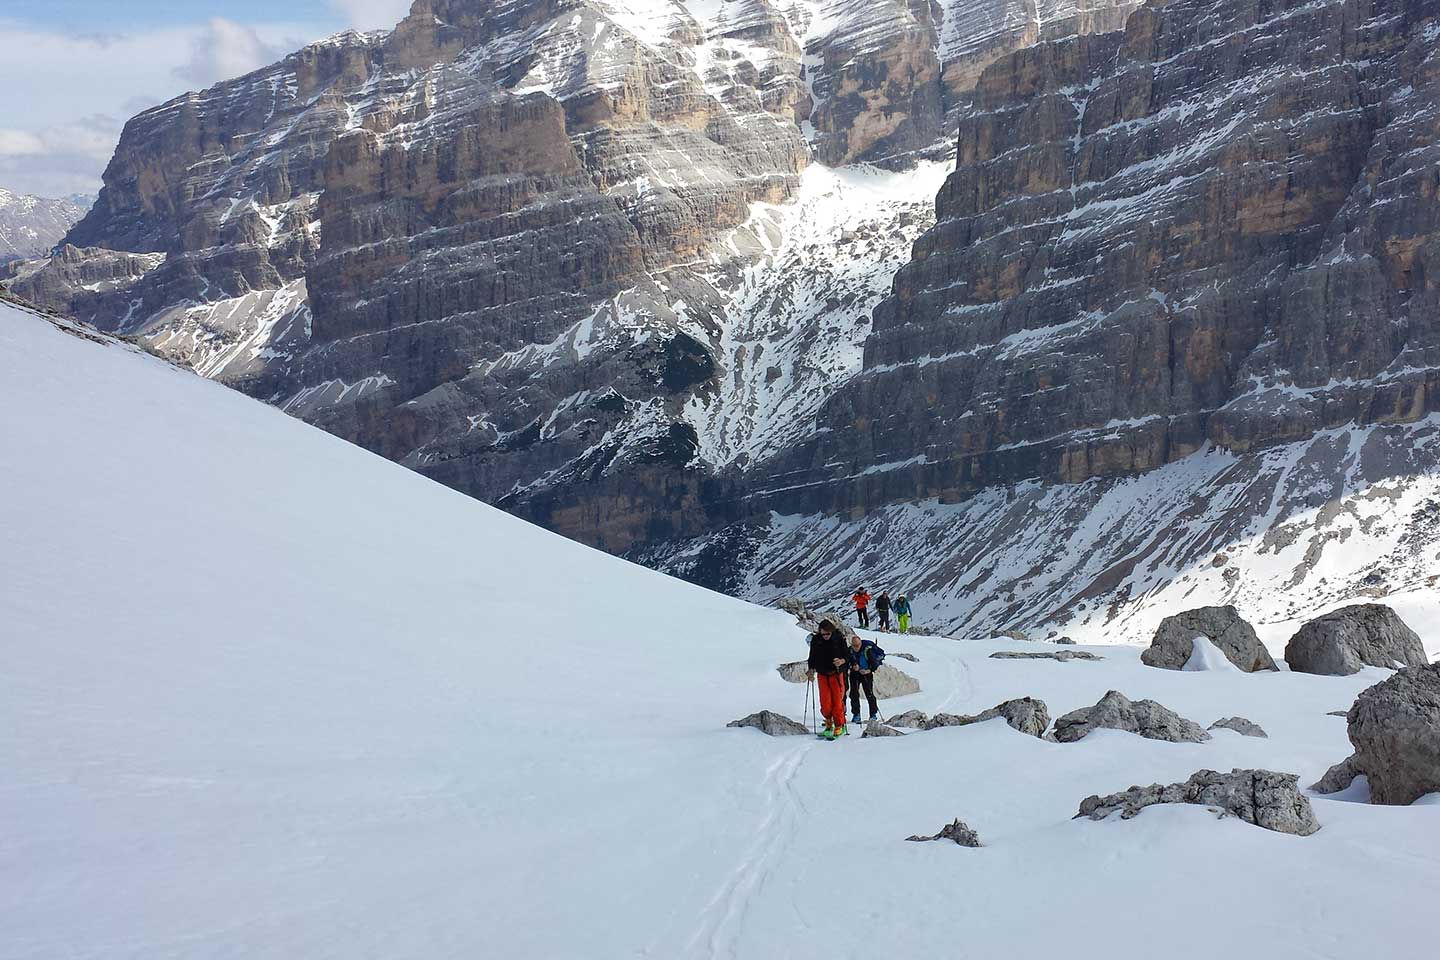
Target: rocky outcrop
[771, 724]
[1395, 729]
[796, 671]
[1064, 656]
[1115, 711]
[1222, 626]
[956, 831]
[1343, 641]
[1246, 728]
[1025, 714]
[1262, 797]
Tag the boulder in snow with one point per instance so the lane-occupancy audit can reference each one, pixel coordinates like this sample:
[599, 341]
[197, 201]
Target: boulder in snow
[1395, 729]
[1012, 635]
[1065, 641]
[958, 832]
[1241, 726]
[1025, 714]
[771, 724]
[795, 671]
[877, 729]
[1338, 777]
[1062, 655]
[914, 719]
[1343, 641]
[1262, 797]
[1174, 644]
[795, 607]
[892, 682]
[906, 656]
[1115, 711]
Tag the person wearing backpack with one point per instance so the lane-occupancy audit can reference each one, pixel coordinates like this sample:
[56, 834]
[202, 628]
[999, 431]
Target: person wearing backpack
[828, 659]
[882, 607]
[902, 611]
[862, 607]
[865, 657]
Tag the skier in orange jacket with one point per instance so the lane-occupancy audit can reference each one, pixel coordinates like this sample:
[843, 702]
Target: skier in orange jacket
[862, 607]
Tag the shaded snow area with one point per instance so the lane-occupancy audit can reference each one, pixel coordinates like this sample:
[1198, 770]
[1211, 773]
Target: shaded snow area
[1350, 516]
[296, 701]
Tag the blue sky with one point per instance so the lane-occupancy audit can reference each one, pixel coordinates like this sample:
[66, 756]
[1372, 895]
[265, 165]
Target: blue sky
[73, 71]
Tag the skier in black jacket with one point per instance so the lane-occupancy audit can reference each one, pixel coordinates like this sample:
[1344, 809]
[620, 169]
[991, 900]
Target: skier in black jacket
[829, 659]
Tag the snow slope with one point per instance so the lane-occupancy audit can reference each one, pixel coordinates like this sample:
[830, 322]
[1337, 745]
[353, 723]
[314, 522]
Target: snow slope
[267, 695]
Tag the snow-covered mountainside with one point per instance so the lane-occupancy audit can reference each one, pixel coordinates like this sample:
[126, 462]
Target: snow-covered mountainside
[268, 695]
[31, 226]
[560, 254]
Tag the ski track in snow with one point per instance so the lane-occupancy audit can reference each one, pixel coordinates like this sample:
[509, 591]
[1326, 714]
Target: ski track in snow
[723, 922]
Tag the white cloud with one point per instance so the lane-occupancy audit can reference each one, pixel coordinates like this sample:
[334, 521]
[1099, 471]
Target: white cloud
[225, 49]
[67, 95]
[372, 14]
[20, 143]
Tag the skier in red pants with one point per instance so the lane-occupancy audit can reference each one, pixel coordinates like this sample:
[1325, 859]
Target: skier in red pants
[828, 660]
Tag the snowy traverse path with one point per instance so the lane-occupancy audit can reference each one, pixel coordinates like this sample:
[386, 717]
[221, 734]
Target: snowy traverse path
[269, 696]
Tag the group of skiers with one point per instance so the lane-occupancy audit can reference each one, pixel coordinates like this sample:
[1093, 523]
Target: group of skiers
[883, 606]
[836, 663]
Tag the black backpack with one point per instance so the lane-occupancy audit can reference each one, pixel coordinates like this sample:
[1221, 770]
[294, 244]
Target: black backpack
[877, 656]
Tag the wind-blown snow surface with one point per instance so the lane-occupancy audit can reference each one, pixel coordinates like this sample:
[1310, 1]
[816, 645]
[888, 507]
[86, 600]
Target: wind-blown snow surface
[267, 695]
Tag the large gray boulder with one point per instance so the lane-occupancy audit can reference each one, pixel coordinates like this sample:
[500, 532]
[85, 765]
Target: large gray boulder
[795, 607]
[1344, 640]
[1262, 797]
[893, 682]
[1395, 729]
[1223, 626]
[1338, 777]
[1115, 711]
[958, 832]
[771, 724]
[1025, 714]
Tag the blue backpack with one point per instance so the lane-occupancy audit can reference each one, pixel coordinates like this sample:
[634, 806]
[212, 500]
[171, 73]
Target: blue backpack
[874, 654]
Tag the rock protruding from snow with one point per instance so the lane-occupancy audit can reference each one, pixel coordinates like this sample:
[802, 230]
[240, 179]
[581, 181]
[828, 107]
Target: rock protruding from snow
[1395, 729]
[1115, 711]
[795, 607]
[1062, 655]
[913, 719]
[906, 656]
[1338, 777]
[1174, 642]
[877, 729]
[892, 682]
[771, 724]
[1240, 725]
[958, 831]
[1026, 714]
[796, 671]
[1262, 797]
[1343, 641]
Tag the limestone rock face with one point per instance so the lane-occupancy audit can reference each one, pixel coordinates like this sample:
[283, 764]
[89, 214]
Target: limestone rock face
[893, 682]
[1211, 228]
[1115, 711]
[1343, 641]
[1262, 797]
[1222, 626]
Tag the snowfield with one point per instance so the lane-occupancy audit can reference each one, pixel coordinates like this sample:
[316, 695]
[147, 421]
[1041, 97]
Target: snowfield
[267, 695]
